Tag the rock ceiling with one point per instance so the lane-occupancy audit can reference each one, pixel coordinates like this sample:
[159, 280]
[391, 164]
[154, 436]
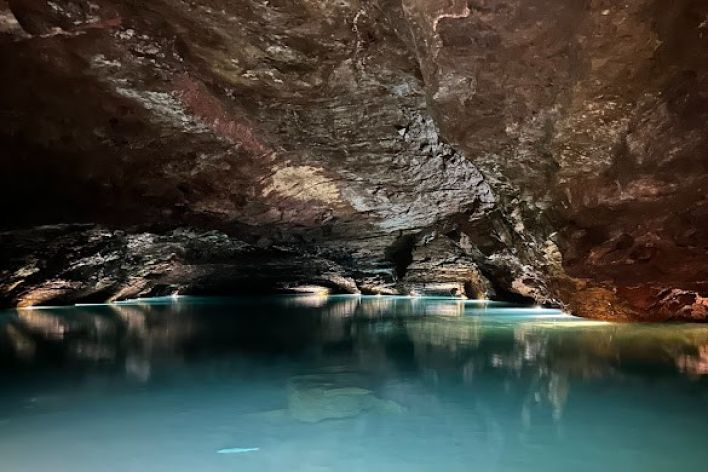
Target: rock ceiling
[547, 149]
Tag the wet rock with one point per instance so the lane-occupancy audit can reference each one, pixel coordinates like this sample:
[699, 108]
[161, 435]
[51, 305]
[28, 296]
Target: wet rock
[440, 267]
[84, 263]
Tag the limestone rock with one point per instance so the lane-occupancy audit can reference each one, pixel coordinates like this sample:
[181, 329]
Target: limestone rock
[556, 150]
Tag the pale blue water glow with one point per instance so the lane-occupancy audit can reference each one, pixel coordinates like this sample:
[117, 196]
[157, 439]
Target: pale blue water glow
[346, 383]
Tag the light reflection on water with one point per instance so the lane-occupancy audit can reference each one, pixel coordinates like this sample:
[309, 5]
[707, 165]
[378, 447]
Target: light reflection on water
[347, 383]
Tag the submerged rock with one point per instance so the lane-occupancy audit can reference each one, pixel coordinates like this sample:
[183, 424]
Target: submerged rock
[319, 397]
[331, 395]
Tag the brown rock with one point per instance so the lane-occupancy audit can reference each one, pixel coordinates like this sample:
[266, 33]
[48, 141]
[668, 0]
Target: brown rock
[555, 149]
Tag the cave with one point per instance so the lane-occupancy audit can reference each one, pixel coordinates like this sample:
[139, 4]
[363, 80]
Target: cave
[377, 166]
[207, 147]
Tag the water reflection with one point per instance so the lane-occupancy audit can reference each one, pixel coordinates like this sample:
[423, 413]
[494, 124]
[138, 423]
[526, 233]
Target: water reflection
[500, 376]
[469, 337]
[442, 332]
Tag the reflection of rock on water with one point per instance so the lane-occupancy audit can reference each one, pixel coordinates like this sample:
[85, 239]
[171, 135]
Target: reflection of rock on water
[694, 364]
[45, 324]
[448, 335]
[318, 397]
[23, 346]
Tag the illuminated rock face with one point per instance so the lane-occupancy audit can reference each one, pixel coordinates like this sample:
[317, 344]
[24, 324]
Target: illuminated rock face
[550, 149]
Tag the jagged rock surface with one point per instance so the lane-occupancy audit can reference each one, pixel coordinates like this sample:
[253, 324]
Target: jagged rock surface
[549, 149]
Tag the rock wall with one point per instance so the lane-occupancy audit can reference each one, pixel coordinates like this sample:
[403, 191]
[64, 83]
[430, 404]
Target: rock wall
[553, 150]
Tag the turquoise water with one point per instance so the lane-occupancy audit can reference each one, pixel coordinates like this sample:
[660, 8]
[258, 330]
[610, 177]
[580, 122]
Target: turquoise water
[344, 383]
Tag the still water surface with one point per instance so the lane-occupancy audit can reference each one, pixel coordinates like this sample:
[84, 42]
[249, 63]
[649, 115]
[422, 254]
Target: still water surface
[344, 383]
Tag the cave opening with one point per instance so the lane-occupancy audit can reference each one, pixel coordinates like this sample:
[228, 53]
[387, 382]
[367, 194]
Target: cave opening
[400, 254]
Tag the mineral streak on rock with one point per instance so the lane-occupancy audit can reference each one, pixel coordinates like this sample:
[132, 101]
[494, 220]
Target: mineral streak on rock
[544, 149]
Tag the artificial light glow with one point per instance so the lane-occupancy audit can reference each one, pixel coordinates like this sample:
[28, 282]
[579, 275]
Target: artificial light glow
[40, 307]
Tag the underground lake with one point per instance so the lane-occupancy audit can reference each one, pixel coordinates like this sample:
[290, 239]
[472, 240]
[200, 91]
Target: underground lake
[346, 383]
